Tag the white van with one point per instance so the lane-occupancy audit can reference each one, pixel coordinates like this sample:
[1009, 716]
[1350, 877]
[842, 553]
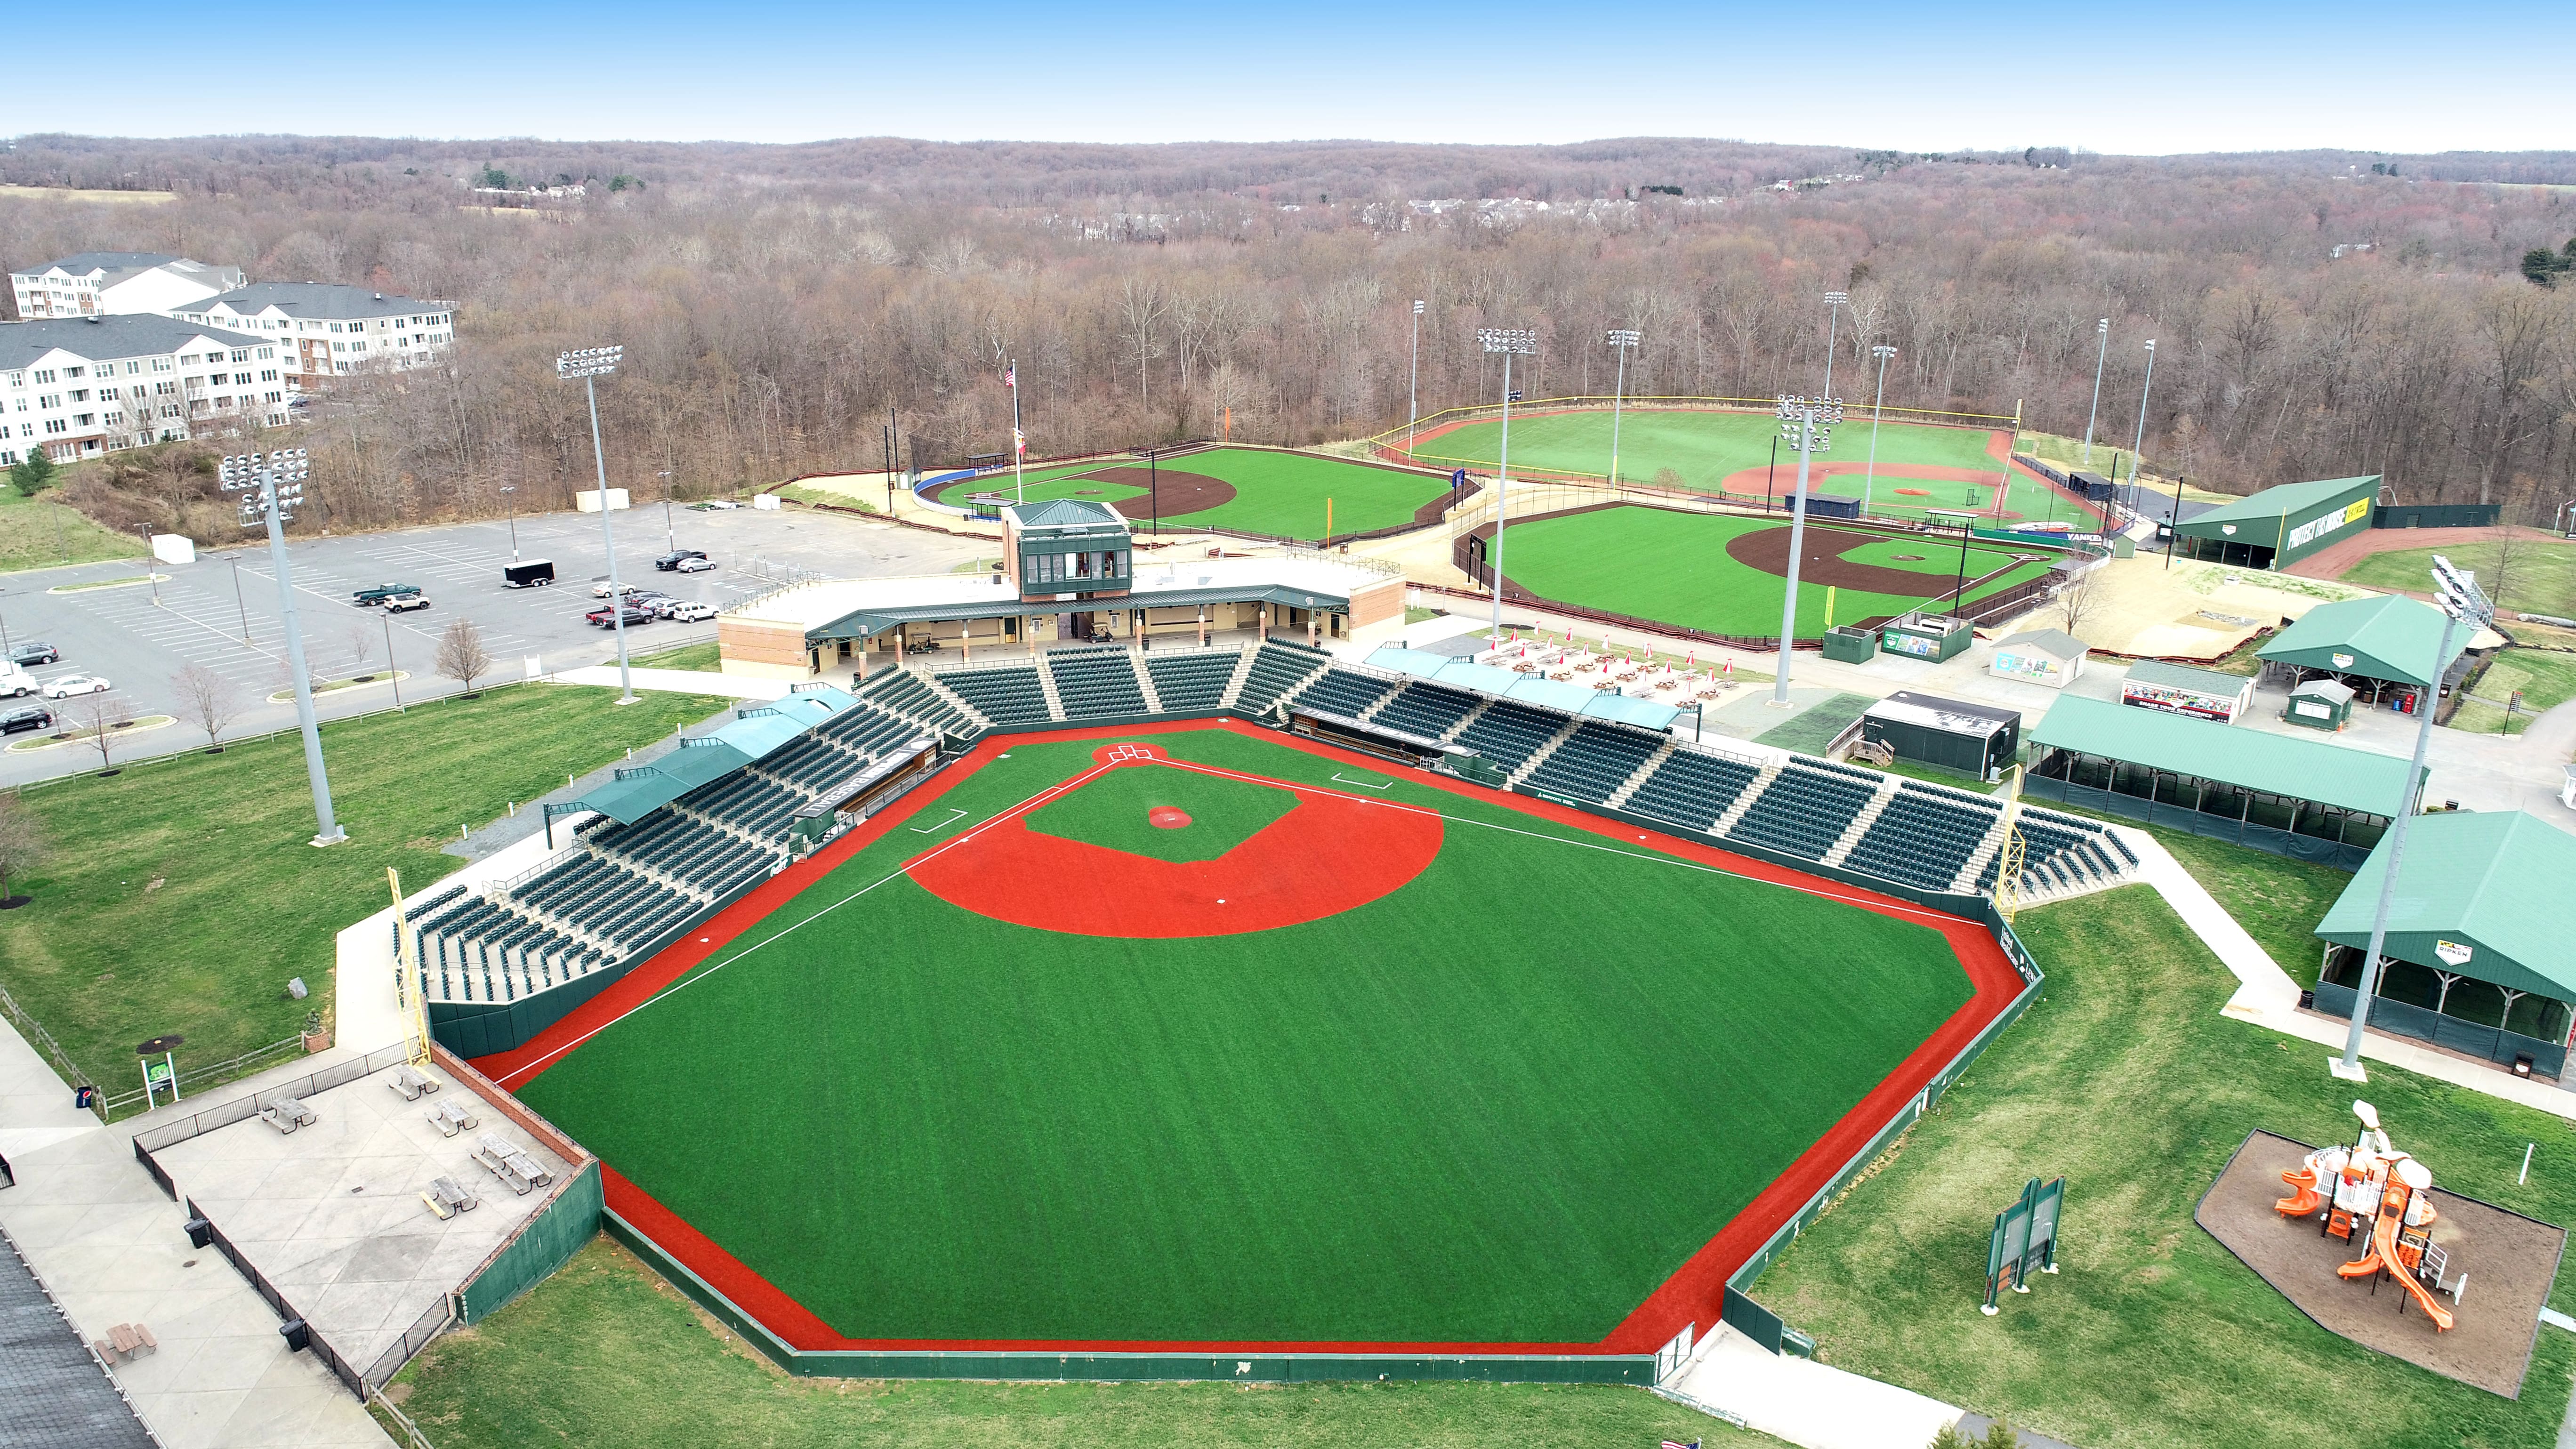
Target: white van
[16, 682]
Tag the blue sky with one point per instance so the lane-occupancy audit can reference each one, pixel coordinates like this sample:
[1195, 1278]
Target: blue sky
[2189, 76]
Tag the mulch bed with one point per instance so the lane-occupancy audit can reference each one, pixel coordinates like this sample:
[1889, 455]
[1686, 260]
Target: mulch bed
[2511, 1261]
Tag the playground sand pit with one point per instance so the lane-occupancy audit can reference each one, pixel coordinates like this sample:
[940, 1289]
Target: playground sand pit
[2510, 1259]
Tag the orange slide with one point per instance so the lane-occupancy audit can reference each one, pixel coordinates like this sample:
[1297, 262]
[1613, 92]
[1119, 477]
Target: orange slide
[2383, 1254]
[2307, 1199]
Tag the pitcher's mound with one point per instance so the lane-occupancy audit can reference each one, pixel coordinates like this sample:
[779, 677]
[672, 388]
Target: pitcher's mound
[1165, 817]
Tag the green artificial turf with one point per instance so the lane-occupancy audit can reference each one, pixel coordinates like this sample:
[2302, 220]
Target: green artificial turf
[2125, 1078]
[1655, 563]
[1275, 492]
[181, 894]
[605, 1353]
[1815, 726]
[1500, 1104]
[1116, 810]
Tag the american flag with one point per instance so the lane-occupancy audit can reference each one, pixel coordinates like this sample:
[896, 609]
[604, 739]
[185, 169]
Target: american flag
[1010, 377]
[1678, 1444]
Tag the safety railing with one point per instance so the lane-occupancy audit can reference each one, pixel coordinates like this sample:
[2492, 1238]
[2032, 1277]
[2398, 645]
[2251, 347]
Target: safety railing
[321, 1348]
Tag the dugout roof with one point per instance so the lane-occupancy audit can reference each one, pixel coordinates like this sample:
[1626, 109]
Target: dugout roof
[2388, 637]
[2482, 894]
[1456, 673]
[755, 731]
[2328, 774]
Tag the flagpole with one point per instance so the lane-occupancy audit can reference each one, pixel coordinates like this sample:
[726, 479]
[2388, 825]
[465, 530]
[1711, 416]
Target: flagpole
[1019, 449]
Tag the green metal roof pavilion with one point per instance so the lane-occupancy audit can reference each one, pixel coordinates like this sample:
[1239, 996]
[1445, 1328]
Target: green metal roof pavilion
[2333, 775]
[2282, 525]
[2490, 884]
[2389, 637]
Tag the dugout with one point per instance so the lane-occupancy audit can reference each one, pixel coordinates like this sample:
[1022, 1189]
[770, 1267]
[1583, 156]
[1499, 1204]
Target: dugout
[2475, 958]
[2094, 487]
[2280, 526]
[1975, 739]
[2309, 799]
[2181, 689]
[2381, 647]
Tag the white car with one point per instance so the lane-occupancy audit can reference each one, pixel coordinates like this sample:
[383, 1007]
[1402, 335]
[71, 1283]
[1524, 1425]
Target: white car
[722, 503]
[690, 612]
[71, 684]
[694, 566]
[405, 603]
[600, 591]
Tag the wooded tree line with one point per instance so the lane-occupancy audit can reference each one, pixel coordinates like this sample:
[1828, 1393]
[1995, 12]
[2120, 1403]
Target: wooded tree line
[775, 302]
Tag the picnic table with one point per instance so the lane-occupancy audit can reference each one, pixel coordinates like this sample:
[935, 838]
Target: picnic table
[508, 1162]
[411, 1083]
[285, 1113]
[450, 1118]
[447, 1197]
[127, 1341]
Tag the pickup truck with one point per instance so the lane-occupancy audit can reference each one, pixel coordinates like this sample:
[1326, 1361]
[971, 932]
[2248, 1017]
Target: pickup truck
[368, 598]
[603, 617]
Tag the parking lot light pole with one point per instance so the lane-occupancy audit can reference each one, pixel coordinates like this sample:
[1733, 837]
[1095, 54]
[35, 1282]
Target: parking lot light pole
[273, 485]
[1798, 423]
[1511, 343]
[2101, 354]
[2462, 602]
[509, 499]
[670, 540]
[393, 669]
[1622, 339]
[240, 602]
[591, 364]
[1869, 471]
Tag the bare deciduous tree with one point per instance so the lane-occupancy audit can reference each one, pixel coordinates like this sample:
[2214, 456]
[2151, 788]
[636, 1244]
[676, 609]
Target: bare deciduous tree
[22, 845]
[99, 716]
[357, 645]
[2075, 603]
[461, 655]
[212, 701]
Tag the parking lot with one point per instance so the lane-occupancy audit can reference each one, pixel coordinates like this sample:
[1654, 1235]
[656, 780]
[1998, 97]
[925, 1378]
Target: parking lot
[221, 612]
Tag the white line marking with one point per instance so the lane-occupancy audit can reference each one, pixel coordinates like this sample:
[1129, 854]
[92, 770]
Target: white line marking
[942, 825]
[1363, 784]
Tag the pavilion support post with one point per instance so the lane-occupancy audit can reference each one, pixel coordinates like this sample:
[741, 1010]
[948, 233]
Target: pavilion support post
[2244, 814]
[2442, 998]
[2510, 997]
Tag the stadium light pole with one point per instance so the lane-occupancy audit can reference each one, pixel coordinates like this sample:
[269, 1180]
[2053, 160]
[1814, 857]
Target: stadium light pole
[1833, 320]
[1621, 339]
[510, 500]
[1869, 472]
[2138, 448]
[273, 484]
[1510, 342]
[1413, 388]
[1798, 419]
[590, 364]
[2101, 355]
[2461, 601]
[1019, 443]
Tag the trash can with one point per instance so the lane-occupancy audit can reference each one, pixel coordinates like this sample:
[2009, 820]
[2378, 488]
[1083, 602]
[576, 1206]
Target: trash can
[298, 1337]
[201, 1233]
[83, 1096]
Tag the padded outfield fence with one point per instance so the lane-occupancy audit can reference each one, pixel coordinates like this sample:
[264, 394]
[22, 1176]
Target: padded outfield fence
[1399, 444]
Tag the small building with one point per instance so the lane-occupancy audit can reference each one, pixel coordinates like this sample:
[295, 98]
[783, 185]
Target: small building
[2094, 487]
[2475, 957]
[327, 330]
[2382, 647]
[2320, 704]
[1920, 635]
[1975, 739]
[2039, 656]
[2279, 526]
[1066, 549]
[2181, 689]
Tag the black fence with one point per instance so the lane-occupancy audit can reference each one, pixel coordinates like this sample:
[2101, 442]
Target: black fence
[2399, 1018]
[2435, 515]
[340, 1368]
[2341, 854]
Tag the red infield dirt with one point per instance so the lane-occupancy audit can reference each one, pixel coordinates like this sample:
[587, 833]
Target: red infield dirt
[1691, 1294]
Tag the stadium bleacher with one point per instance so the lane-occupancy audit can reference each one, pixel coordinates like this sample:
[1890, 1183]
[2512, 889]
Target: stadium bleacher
[1693, 789]
[1006, 696]
[902, 692]
[1191, 683]
[1508, 732]
[1594, 761]
[1426, 709]
[1806, 808]
[1345, 693]
[1924, 836]
[1095, 683]
[1276, 668]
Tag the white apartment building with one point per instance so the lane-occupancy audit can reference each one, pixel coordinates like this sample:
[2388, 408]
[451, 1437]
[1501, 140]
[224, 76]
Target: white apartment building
[116, 284]
[324, 330]
[81, 387]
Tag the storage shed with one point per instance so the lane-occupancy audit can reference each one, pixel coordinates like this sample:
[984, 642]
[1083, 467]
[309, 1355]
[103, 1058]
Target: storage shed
[2039, 656]
[2181, 689]
[2320, 704]
[1977, 739]
[2279, 526]
[1926, 636]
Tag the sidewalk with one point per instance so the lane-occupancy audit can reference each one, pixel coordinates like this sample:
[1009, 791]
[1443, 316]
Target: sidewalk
[1805, 1402]
[679, 681]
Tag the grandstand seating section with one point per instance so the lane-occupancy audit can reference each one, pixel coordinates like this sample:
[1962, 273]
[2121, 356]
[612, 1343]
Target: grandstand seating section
[1508, 733]
[2060, 852]
[1004, 696]
[1096, 683]
[1806, 808]
[1343, 692]
[902, 691]
[1275, 669]
[1426, 710]
[1693, 789]
[1191, 683]
[1594, 761]
[1924, 836]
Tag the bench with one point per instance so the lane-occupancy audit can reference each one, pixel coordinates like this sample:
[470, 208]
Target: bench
[450, 1118]
[285, 1113]
[447, 1197]
[411, 1084]
[127, 1341]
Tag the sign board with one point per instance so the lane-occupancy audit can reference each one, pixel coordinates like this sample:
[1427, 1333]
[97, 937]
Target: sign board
[1458, 478]
[2342, 661]
[2452, 952]
[2316, 528]
[587, 501]
[157, 1073]
[2025, 1240]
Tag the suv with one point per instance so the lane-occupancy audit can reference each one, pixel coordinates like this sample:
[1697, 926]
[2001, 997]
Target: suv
[677, 557]
[405, 603]
[367, 598]
[30, 718]
[689, 612]
[32, 652]
[605, 618]
[699, 565]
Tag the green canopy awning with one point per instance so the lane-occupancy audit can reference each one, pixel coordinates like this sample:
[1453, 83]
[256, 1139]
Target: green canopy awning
[2482, 894]
[2291, 767]
[2388, 637]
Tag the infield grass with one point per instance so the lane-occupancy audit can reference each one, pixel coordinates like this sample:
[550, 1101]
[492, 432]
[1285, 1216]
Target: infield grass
[2125, 1078]
[1656, 563]
[604, 1352]
[1274, 492]
[1500, 1104]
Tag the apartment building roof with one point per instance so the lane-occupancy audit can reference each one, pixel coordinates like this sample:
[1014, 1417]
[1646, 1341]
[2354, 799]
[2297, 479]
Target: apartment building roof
[135, 335]
[117, 266]
[316, 300]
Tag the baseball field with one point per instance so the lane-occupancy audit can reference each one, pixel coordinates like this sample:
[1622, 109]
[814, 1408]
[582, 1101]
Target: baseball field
[1194, 1035]
[1251, 490]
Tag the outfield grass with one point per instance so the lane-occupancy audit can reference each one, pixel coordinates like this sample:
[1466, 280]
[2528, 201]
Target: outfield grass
[2544, 678]
[605, 1353]
[1471, 1110]
[2540, 580]
[704, 658]
[1275, 493]
[1654, 563]
[36, 533]
[2125, 1078]
[179, 896]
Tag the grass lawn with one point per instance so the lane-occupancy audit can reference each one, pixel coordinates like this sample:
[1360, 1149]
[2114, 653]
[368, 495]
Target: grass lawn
[1654, 563]
[1450, 1114]
[2125, 1078]
[1815, 726]
[1704, 447]
[179, 896]
[705, 658]
[37, 533]
[605, 1352]
[1275, 493]
[2541, 579]
[2543, 677]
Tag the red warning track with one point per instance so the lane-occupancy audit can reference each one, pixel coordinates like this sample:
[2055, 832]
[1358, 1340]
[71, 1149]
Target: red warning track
[1690, 1295]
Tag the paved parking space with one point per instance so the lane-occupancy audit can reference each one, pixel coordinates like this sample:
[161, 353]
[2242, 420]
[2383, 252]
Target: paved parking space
[221, 611]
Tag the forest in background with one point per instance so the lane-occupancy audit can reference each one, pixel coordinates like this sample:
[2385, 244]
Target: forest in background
[2316, 314]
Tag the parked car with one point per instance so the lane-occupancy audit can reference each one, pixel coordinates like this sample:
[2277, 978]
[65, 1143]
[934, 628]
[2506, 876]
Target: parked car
[690, 611]
[71, 684]
[405, 603]
[677, 557]
[603, 618]
[600, 590]
[368, 598]
[32, 652]
[699, 565]
[719, 504]
[30, 718]
[16, 682]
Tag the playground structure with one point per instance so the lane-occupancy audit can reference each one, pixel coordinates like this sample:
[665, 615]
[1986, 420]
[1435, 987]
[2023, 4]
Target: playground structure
[2374, 1189]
